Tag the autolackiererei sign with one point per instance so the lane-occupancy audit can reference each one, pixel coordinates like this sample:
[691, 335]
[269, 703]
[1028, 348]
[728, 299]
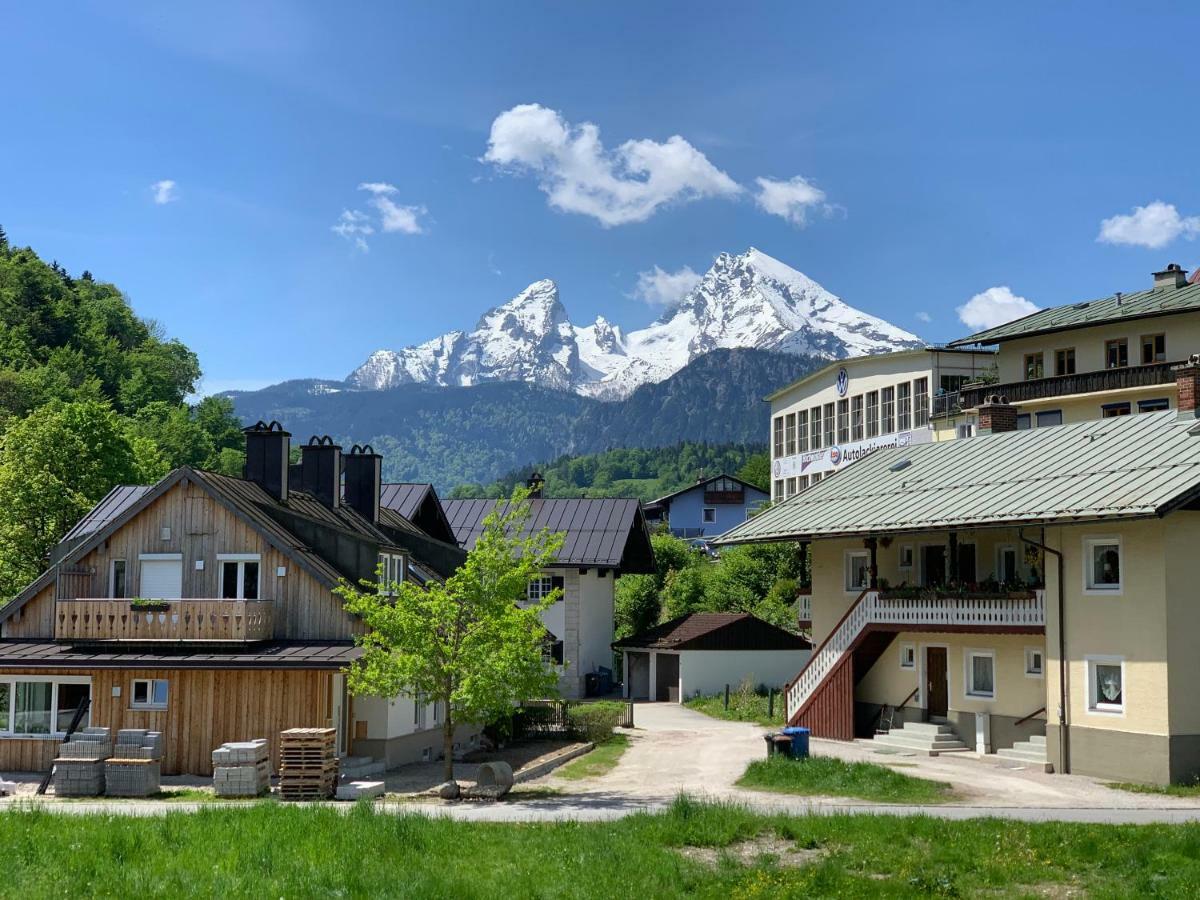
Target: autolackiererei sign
[830, 459]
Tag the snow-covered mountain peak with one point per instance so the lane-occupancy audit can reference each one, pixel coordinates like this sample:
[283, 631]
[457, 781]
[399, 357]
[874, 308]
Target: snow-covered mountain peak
[746, 300]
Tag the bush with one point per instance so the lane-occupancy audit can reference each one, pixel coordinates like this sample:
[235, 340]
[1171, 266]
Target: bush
[595, 721]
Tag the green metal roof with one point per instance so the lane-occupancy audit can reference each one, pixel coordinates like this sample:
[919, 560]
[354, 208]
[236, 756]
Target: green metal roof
[1127, 467]
[1139, 305]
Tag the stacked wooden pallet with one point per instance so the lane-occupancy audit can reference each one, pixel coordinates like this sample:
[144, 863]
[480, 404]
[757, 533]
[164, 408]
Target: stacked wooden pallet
[307, 763]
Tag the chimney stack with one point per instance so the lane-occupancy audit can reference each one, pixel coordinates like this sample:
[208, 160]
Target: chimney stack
[1172, 277]
[267, 449]
[364, 479]
[535, 484]
[997, 415]
[1187, 378]
[321, 470]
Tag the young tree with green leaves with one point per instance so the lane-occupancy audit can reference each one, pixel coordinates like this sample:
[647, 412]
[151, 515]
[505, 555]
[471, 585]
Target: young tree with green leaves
[474, 643]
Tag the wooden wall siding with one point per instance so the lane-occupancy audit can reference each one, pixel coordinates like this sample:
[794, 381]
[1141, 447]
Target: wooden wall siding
[830, 712]
[204, 710]
[200, 528]
[36, 618]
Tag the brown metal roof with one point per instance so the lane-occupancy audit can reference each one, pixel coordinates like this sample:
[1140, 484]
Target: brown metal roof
[714, 631]
[610, 532]
[282, 655]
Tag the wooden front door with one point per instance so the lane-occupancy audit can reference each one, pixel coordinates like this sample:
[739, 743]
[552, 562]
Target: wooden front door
[936, 689]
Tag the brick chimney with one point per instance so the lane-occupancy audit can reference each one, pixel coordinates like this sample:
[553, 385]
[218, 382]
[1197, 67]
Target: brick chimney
[997, 415]
[267, 447]
[364, 479]
[321, 470]
[535, 484]
[1187, 378]
[1172, 277]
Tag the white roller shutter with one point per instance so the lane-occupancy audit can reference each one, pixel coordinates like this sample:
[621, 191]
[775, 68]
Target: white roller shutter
[162, 579]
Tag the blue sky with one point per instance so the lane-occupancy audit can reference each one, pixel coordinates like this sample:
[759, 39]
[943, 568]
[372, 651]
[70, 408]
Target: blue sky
[914, 156]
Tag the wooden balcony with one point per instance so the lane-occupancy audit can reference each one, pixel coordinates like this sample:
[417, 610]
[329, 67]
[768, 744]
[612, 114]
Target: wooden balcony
[97, 621]
[971, 396]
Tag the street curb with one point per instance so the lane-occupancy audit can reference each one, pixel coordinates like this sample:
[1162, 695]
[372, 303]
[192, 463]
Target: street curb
[549, 765]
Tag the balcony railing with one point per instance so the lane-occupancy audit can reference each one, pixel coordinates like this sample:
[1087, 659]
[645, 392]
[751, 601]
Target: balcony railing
[1063, 385]
[199, 621]
[804, 610]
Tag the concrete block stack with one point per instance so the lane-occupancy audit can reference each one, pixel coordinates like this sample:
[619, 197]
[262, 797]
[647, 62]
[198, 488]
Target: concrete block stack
[79, 768]
[135, 768]
[242, 768]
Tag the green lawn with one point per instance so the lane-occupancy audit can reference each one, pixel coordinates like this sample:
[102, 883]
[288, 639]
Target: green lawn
[599, 761]
[827, 776]
[744, 706]
[1170, 790]
[694, 849]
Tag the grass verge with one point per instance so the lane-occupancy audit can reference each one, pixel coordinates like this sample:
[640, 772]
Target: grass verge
[744, 706]
[1169, 790]
[272, 850]
[831, 777]
[599, 761]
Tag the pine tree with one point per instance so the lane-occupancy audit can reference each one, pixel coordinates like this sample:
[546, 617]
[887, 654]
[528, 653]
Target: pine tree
[3, 240]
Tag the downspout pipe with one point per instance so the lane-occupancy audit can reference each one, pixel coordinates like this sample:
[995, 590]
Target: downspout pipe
[1064, 725]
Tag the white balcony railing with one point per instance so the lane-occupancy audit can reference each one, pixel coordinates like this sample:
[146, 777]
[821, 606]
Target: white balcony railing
[804, 609]
[920, 612]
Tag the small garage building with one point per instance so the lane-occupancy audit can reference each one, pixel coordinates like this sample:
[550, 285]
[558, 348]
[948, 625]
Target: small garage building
[702, 652]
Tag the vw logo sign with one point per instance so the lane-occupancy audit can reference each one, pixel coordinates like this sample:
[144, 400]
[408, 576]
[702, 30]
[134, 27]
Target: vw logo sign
[843, 382]
[835, 453]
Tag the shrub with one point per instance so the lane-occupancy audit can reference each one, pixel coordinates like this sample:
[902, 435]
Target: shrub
[595, 721]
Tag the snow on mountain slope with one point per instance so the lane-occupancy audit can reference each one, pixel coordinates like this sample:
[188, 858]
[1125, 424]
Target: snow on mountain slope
[751, 300]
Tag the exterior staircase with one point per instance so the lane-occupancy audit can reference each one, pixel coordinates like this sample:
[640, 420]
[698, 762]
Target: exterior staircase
[1031, 753]
[925, 738]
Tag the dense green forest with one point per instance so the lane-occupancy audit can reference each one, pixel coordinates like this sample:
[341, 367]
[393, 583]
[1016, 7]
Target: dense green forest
[641, 472]
[476, 435]
[90, 396]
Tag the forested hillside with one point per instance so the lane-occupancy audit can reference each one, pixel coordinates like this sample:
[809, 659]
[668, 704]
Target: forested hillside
[475, 435]
[641, 472]
[90, 396]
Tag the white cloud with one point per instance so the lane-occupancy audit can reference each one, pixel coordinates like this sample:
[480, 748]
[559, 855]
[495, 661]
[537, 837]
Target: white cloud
[791, 199]
[658, 288]
[1153, 225]
[393, 216]
[164, 191]
[615, 187]
[923, 316]
[993, 307]
[354, 226]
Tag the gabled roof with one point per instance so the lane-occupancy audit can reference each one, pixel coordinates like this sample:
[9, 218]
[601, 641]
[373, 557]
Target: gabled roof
[605, 533]
[1122, 468]
[1138, 305]
[667, 498]
[714, 631]
[419, 504]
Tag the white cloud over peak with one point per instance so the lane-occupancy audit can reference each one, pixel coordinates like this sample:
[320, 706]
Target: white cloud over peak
[993, 307]
[356, 226]
[923, 316]
[791, 200]
[1153, 225]
[660, 288]
[579, 175]
[164, 191]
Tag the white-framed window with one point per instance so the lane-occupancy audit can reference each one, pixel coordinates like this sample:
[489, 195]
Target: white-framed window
[391, 568]
[709, 515]
[980, 675]
[906, 556]
[148, 693]
[778, 489]
[1006, 563]
[908, 656]
[41, 706]
[1106, 684]
[419, 708]
[541, 586]
[1035, 662]
[1102, 565]
[858, 570]
[240, 575]
[789, 490]
[117, 583]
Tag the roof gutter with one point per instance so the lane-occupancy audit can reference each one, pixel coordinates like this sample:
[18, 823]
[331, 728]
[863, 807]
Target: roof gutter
[1064, 724]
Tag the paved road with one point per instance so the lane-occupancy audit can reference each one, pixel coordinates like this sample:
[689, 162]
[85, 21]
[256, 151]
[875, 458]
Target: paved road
[675, 750]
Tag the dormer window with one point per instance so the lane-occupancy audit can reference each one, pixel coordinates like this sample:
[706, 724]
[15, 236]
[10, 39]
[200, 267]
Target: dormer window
[239, 576]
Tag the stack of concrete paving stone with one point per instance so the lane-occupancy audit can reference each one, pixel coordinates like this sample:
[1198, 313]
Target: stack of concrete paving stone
[308, 763]
[359, 777]
[135, 768]
[242, 768]
[79, 768]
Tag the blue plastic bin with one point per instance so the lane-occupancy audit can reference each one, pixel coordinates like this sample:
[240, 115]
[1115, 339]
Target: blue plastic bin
[799, 738]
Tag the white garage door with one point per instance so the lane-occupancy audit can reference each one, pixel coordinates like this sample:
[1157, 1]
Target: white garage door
[161, 579]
